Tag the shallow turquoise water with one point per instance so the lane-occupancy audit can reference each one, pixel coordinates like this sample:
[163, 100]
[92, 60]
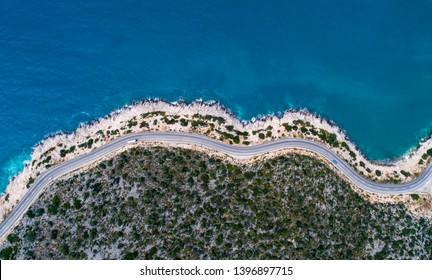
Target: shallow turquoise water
[367, 66]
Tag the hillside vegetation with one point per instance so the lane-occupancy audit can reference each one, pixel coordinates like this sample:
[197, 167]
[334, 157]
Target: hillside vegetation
[172, 203]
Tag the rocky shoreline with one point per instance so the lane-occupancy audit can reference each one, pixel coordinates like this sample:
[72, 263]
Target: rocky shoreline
[214, 120]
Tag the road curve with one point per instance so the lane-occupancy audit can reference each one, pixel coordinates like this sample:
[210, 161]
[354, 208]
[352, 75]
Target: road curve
[419, 185]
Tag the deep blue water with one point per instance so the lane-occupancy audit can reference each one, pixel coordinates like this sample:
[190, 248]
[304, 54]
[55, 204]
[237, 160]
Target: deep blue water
[365, 64]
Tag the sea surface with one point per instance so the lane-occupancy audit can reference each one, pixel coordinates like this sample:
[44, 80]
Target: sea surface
[367, 65]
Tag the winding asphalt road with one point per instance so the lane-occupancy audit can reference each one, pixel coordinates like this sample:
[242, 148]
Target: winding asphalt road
[420, 185]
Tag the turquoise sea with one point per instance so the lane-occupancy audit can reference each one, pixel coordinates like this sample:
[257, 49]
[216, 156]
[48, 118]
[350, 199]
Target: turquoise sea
[367, 65]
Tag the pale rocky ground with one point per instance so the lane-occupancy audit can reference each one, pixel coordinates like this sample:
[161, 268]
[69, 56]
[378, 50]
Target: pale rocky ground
[138, 118]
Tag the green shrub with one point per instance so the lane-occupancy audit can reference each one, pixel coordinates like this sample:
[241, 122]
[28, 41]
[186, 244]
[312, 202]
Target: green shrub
[40, 212]
[77, 204]
[249, 175]
[31, 235]
[8, 253]
[287, 127]
[12, 238]
[184, 122]
[130, 255]
[54, 234]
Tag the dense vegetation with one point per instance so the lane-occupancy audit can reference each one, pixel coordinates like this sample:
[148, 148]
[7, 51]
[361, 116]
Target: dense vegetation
[159, 203]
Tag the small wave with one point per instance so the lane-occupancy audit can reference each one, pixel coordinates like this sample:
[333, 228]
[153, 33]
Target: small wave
[12, 168]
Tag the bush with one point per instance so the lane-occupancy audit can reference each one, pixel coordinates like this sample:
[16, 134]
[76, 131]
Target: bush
[8, 253]
[93, 233]
[12, 238]
[249, 175]
[40, 212]
[144, 124]
[77, 204]
[54, 234]
[130, 255]
[151, 253]
[64, 249]
[287, 127]
[53, 207]
[329, 138]
[52, 210]
[90, 142]
[132, 123]
[30, 182]
[31, 235]
[56, 201]
[345, 145]
[184, 122]
[219, 240]
[30, 214]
